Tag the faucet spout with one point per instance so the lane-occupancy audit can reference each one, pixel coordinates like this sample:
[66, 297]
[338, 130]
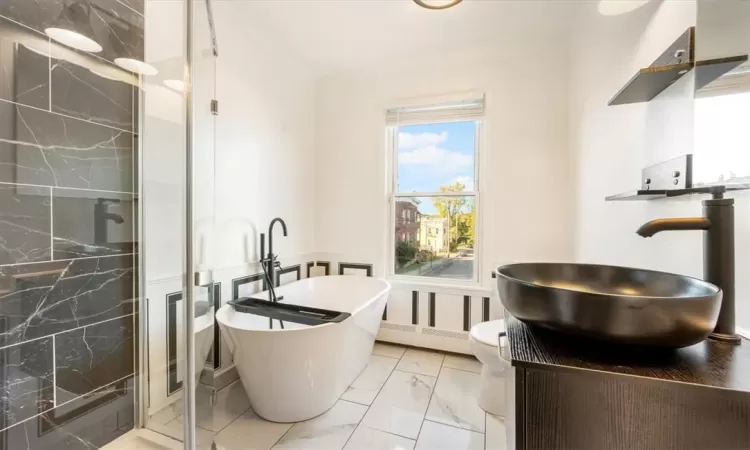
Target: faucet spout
[102, 216]
[718, 255]
[274, 222]
[649, 229]
[270, 234]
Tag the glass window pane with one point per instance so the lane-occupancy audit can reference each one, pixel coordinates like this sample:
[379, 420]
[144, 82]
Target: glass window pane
[721, 150]
[437, 238]
[436, 157]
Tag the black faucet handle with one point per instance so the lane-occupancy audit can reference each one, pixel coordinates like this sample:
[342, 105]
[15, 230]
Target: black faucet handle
[272, 259]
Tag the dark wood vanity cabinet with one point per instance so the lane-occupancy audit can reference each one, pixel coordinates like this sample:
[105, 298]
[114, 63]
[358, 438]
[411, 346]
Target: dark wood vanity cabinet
[571, 394]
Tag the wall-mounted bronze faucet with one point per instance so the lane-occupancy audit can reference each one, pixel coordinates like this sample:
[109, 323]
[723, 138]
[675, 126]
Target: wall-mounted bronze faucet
[718, 253]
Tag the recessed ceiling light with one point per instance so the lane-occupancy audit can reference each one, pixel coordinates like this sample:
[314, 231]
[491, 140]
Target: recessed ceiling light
[177, 85]
[617, 7]
[136, 66]
[437, 4]
[73, 39]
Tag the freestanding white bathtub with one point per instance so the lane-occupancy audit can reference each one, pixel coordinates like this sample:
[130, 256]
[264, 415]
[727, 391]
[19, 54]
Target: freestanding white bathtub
[299, 372]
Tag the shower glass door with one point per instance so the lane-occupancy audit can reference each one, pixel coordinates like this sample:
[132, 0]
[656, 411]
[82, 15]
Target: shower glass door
[180, 295]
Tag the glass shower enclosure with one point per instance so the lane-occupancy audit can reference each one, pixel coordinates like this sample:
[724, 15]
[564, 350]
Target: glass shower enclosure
[107, 150]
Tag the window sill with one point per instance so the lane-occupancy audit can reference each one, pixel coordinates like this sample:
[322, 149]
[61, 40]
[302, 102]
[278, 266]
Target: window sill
[436, 284]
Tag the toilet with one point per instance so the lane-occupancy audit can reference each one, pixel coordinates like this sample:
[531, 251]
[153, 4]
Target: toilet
[495, 360]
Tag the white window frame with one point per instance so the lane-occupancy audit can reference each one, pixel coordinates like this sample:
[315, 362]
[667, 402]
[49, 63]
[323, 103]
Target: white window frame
[392, 157]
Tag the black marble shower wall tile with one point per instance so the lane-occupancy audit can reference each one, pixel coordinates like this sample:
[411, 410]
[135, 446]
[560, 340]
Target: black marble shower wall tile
[41, 148]
[41, 299]
[92, 357]
[90, 223]
[24, 70]
[26, 377]
[114, 26]
[89, 422]
[135, 4]
[24, 224]
[89, 93]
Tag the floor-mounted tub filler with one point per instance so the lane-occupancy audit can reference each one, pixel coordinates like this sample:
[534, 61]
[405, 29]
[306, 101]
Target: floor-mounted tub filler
[299, 372]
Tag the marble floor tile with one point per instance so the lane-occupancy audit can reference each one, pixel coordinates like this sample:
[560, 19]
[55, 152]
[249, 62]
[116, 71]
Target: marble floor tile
[175, 430]
[143, 439]
[231, 402]
[455, 400]
[389, 350]
[166, 414]
[401, 404]
[495, 437]
[329, 431]
[435, 436]
[423, 362]
[462, 362]
[250, 432]
[367, 385]
[366, 438]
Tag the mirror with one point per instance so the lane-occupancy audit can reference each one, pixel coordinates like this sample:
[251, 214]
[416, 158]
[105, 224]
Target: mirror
[722, 107]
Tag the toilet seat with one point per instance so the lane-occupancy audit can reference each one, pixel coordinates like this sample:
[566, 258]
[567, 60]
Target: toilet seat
[487, 332]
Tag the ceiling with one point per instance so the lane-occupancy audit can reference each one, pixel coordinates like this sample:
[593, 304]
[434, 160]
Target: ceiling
[339, 35]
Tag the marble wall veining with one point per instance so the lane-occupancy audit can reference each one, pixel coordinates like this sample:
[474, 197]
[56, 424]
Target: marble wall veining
[68, 252]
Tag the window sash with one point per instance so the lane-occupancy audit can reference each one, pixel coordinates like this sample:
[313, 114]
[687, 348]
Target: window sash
[393, 132]
[392, 139]
[435, 194]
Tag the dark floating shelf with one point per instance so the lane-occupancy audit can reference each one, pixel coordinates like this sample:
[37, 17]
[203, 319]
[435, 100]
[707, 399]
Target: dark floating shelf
[711, 69]
[669, 67]
[673, 64]
[648, 83]
[656, 194]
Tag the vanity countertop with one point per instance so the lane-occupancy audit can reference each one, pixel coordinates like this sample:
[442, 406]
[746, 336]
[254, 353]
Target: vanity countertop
[709, 363]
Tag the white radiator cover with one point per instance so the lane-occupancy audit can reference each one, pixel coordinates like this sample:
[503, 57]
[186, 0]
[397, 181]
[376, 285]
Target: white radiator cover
[425, 337]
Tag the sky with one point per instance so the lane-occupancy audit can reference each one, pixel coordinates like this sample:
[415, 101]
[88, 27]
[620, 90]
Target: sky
[434, 155]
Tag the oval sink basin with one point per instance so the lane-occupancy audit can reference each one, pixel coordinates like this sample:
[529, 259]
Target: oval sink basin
[616, 304]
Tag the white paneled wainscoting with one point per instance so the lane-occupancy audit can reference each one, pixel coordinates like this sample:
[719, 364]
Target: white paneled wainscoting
[423, 315]
[436, 317]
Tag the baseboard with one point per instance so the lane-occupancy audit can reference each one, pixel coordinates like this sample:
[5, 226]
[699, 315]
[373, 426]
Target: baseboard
[745, 333]
[425, 337]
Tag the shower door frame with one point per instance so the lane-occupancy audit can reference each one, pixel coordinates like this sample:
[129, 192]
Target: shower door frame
[190, 278]
[188, 386]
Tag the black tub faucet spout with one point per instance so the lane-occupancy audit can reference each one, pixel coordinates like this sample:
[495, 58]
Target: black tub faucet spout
[270, 234]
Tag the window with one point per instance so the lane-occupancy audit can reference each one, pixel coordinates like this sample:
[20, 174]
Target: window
[434, 175]
[720, 152]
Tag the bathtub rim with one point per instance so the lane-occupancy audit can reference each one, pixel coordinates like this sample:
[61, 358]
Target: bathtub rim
[380, 293]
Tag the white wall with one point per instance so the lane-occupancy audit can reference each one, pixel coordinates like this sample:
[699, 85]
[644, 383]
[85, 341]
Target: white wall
[264, 140]
[527, 199]
[613, 144]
